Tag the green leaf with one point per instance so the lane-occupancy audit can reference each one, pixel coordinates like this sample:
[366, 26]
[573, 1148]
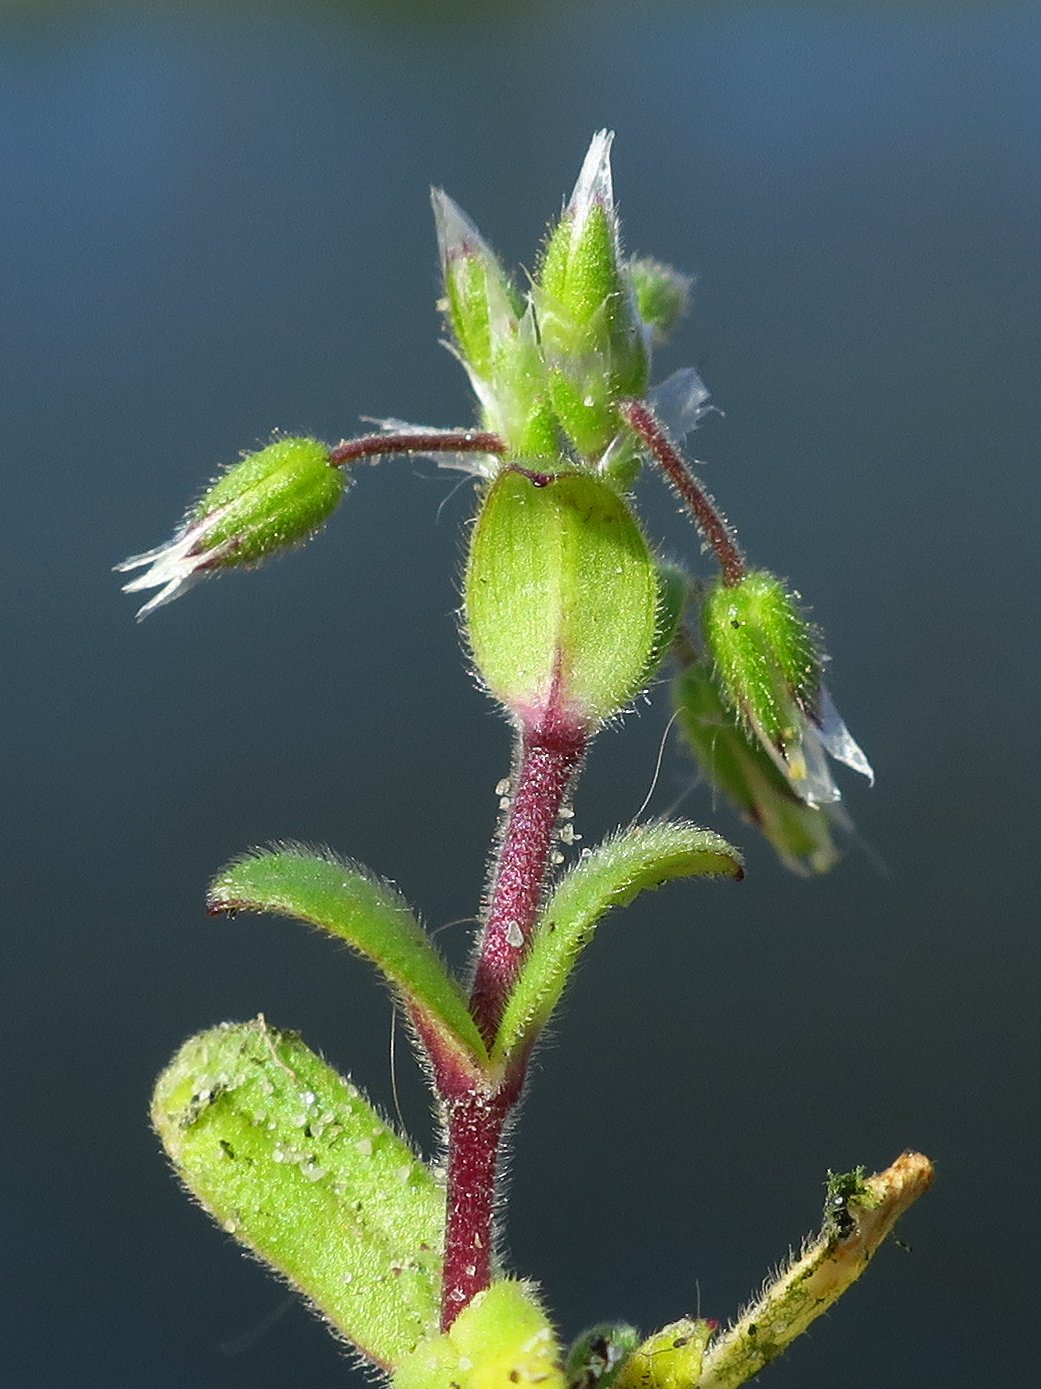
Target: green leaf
[289, 1158]
[636, 859]
[370, 915]
[500, 1340]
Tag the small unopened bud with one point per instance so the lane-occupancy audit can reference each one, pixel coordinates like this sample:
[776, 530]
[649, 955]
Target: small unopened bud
[735, 762]
[271, 500]
[480, 302]
[768, 667]
[662, 295]
[495, 334]
[591, 333]
[561, 597]
[596, 1357]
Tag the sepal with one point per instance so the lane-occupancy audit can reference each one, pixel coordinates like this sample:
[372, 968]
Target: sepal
[592, 336]
[768, 665]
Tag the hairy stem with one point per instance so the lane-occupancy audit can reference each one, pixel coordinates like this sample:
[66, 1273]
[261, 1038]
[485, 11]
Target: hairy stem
[476, 1122]
[550, 751]
[707, 516]
[432, 441]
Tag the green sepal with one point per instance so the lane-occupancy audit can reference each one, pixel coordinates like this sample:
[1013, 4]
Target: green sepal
[561, 596]
[633, 861]
[370, 915]
[670, 1359]
[737, 763]
[499, 1340]
[595, 1358]
[272, 499]
[288, 1157]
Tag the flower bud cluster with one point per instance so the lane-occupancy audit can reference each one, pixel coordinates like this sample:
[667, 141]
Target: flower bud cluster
[550, 371]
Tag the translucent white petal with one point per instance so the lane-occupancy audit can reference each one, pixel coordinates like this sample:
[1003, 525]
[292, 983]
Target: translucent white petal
[838, 740]
[593, 185]
[456, 234]
[679, 402]
[173, 590]
[816, 786]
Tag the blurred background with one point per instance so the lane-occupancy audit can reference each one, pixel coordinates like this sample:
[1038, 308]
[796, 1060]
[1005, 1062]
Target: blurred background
[215, 224]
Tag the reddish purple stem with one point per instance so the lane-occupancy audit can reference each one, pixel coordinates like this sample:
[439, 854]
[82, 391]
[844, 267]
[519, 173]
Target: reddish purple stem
[551, 749]
[434, 441]
[475, 1127]
[550, 752]
[706, 514]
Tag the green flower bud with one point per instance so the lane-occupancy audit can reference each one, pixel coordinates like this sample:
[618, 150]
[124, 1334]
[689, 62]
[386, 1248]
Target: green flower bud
[480, 302]
[768, 668]
[561, 597]
[662, 295]
[591, 334]
[495, 334]
[738, 765]
[271, 500]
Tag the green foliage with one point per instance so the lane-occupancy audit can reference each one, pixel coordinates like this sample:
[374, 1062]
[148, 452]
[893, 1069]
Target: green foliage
[368, 914]
[670, 1359]
[290, 1158]
[568, 619]
[501, 1340]
[634, 861]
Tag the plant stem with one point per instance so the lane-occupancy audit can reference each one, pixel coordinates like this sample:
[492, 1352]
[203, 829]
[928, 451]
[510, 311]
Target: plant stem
[808, 1286]
[550, 751]
[707, 516]
[432, 441]
[475, 1127]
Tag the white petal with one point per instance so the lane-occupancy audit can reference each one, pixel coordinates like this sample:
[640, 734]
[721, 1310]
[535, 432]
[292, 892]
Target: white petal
[817, 787]
[594, 180]
[838, 740]
[456, 234]
[173, 590]
[679, 402]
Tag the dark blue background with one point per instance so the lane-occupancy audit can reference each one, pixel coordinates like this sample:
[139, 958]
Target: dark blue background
[215, 223]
